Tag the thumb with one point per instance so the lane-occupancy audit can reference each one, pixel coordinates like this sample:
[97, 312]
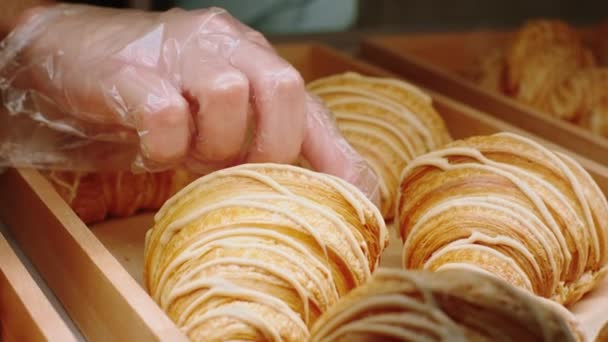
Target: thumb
[327, 151]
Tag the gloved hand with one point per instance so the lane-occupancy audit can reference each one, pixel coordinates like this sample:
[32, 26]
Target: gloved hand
[91, 88]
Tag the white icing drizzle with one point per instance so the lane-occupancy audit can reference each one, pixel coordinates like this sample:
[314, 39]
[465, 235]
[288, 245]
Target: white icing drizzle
[401, 111]
[248, 202]
[404, 85]
[243, 314]
[570, 176]
[376, 123]
[436, 159]
[407, 87]
[189, 283]
[398, 313]
[517, 212]
[463, 244]
[243, 293]
[194, 251]
[364, 130]
[597, 195]
[585, 233]
[246, 236]
[235, 172]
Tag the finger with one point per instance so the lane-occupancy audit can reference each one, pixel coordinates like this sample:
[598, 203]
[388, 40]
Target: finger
[156, 109]
[222, 95]
[327, 151]
[279, 98]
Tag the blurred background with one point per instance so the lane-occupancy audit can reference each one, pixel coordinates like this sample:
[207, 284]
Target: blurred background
[316, 15]
[339, 21]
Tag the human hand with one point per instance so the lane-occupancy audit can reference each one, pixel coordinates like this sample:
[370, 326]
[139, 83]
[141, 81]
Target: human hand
[193, 87]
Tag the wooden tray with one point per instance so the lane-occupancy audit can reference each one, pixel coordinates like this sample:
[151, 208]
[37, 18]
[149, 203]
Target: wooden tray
[438, 61]
[96, 271]
[25, 313]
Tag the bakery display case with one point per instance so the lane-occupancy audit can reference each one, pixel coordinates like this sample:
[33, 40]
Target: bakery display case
[109, 273]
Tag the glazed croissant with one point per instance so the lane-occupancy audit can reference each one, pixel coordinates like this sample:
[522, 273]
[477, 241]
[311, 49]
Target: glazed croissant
[97, 196]
[398, 305]
[388, 121]
[260, 251]
[505, 205]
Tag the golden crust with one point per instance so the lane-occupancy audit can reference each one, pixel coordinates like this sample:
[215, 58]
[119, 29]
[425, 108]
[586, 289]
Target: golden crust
[452, 305]
[386, 120]
[259, 251]
[508, 206]
[95, 197]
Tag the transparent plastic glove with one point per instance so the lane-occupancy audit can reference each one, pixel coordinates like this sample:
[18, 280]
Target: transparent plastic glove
[87, 88]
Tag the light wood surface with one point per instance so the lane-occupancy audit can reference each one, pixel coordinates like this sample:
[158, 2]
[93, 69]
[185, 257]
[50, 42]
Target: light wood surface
[101, 297]
[25, 313]
[438, 61]
[105, 262]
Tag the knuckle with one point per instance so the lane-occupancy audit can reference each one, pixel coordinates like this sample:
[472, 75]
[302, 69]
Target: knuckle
[284, 83]
[228, 85]
[170, 114]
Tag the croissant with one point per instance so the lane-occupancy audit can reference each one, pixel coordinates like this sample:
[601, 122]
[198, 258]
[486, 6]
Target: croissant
[506, 205]
[541, 66]
[542, 54]
[399, 305]
[97, 196]
[577, 97]
[386, 120]
[259, 251]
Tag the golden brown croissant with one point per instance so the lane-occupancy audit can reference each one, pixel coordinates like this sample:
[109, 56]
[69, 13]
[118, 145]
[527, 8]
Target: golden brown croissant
[505, 205]
[542, 53]
[386, 120]
[259, 251]
[541, 66]
[577, 97]
[97, 196]
[399, 305]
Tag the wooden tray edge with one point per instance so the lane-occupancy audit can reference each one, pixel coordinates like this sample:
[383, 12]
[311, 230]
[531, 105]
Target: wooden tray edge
[78, 268]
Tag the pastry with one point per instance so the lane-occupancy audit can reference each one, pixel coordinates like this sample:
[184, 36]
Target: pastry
[399, 305]
[505, 205]
[95, 197]
[543, 72]
[576, 97]
[386, 120]
[260, 251]
[549, 66]
[542, 53]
